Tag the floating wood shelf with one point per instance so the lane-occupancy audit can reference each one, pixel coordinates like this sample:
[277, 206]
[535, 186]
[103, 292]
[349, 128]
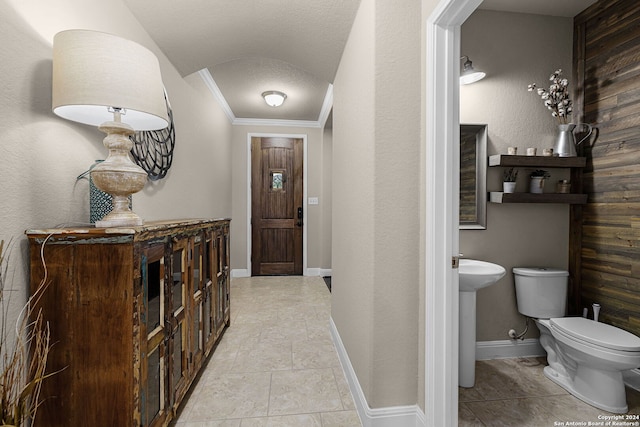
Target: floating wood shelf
[500, 197]
[537, 161]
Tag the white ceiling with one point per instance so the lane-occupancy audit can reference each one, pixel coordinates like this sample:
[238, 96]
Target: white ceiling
[251, 46]
[566, 8]
[295, 46]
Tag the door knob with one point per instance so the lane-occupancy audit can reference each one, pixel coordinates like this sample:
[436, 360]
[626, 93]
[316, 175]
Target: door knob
[300, 215]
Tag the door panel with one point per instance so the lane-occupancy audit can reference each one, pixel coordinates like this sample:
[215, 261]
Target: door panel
[154, 391]
[197, 301]
[276, 189]
[180, 329]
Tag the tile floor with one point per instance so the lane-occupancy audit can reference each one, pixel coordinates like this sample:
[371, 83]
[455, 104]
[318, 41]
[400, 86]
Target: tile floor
[276, 365]
[515, 392]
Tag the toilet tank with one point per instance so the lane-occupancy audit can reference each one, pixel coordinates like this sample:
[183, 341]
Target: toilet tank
[541, 292]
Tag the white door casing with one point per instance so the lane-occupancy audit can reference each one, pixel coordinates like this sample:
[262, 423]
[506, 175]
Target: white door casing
[442, 157]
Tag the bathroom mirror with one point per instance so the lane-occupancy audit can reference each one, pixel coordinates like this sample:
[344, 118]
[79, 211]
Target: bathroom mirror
[473, 177]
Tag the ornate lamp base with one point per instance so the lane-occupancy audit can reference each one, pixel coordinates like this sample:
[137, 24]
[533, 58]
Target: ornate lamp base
[118, 175]
[120, 216]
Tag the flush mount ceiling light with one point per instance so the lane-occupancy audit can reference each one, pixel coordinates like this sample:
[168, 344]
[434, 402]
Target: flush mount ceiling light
[274, 98]
[468, 74]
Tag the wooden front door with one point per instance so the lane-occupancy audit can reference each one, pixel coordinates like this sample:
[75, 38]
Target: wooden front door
[276, 206]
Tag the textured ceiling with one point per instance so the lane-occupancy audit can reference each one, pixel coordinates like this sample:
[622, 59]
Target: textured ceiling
[295, 46]
[566, 8]
[242, 82]
[250, 46]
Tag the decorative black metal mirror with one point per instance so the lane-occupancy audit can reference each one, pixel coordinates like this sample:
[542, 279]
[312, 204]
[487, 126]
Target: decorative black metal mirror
[153, 150]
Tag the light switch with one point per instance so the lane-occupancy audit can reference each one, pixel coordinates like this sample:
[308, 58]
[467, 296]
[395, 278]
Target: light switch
[313, 200]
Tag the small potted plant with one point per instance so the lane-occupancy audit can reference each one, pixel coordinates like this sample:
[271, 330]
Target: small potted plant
[536, 184]
[509, 180]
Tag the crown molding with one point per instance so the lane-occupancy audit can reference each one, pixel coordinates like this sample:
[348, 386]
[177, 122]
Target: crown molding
[217, 94]
[327, 105]
[206, 77]
[277, 122]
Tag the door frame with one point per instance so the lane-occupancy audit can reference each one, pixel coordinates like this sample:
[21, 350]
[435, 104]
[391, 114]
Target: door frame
[304, 193]
[442, 157]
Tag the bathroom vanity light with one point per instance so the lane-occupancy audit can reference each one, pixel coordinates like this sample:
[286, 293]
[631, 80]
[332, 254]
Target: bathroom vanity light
[274, 98]
[468, 74]
[113, 83]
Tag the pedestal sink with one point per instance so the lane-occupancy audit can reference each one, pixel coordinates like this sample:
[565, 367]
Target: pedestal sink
[474, 275]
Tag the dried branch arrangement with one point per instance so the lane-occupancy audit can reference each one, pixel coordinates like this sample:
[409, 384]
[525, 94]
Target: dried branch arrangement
[24, 348]
[556, 98]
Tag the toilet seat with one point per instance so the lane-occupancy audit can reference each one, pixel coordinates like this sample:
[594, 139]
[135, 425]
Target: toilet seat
[596, 333]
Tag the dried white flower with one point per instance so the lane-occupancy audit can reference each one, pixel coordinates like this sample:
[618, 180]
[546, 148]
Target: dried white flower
[556, 98]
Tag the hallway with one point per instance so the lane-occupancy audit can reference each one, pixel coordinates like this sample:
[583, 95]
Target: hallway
[276, 365]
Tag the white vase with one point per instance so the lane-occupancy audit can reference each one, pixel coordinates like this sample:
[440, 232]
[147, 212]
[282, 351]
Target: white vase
[536, 184]
[508, 187]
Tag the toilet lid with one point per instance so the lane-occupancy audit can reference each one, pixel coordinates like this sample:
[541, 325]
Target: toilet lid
[597, 333]
[539, 272]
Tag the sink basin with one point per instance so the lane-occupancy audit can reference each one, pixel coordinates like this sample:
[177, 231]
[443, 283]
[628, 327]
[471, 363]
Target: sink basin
[473, 275]
[476, 274]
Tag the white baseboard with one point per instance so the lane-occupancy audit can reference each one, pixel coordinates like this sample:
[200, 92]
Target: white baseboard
[412, 415]
[505, 349]
[394, 416]
[322, 272]
[240, 272]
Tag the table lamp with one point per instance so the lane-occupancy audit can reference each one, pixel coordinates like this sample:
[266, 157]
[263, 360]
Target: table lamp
[103, 80]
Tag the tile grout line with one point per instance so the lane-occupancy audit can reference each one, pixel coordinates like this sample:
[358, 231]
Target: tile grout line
[474, 414]
[308, 323]
[269, 395]
[335, 380]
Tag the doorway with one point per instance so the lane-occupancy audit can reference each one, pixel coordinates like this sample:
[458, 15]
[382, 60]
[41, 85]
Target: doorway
[277, 189]
[441, 213]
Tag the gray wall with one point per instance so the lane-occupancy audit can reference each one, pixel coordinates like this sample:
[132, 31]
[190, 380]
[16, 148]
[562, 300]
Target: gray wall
[514, 50]
[41, 154]
[376, 209]
[326, 200]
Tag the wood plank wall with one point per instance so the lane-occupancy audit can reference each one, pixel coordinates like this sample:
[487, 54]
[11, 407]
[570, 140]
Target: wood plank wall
[605, 233]
[468, 180]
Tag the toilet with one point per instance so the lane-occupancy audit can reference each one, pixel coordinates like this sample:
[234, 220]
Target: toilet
[584, 357]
